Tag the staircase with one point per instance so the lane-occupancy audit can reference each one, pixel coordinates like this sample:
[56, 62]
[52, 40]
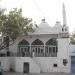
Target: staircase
[37, 63]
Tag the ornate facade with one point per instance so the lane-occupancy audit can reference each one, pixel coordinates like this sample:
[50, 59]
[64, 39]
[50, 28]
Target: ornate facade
[45, 50]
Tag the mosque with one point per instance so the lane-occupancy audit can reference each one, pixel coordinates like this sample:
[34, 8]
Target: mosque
[45, 50]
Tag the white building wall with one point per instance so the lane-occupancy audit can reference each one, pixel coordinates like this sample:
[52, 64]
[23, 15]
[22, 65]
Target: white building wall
[63, 53]
[12, 63]
[5, 62]
[46, 64]
[33, 67]
[39, 64]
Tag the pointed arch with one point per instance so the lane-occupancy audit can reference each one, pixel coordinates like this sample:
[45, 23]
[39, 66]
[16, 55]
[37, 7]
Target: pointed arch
[23, 42]
[52, 41]
[37, 42]
[24, 48]
[51, 47]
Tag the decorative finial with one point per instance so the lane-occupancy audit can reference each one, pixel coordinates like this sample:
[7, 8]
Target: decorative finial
[43, 20]
[35, 24]
[57, 22]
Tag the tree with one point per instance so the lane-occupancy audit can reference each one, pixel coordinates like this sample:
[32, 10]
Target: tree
[72, 37]
[2, 18]
[14, 24]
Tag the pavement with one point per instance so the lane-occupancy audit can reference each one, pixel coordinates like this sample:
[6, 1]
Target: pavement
[13, 73]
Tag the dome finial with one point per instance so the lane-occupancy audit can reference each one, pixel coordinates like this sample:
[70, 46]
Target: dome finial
[43, 20]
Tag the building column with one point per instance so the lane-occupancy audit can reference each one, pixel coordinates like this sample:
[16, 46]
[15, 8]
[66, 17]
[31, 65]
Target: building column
[44, 49]
[30, 50]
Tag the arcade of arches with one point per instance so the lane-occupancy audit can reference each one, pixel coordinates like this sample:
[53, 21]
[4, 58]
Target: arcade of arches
[38, 48]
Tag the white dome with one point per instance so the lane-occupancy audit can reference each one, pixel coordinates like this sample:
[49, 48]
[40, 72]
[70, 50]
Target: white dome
[44, 24]
[57, 24]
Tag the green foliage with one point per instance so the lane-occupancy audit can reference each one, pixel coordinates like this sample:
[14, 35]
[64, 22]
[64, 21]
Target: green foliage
[2, 18]
[72, 38]
[15, 24]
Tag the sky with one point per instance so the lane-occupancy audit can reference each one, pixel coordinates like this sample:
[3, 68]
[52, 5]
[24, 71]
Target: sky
[51, 10]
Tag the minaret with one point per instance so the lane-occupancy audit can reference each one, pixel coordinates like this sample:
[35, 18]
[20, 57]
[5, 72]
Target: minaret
[64, 15]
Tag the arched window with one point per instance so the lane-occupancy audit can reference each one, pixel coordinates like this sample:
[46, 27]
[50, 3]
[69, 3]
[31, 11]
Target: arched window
[37, 48]
[51, 42]
[23, 47]
[65, 29]
[62, 29]
[37, 42]
[51, 47]
[23, 42]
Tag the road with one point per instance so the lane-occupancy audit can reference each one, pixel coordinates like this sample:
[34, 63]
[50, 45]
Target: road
[11, 73]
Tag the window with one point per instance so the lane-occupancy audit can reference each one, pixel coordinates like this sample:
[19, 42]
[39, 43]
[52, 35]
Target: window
[51, 48]
[65, 62]
[38, 50]
[37, 42]
[41, 50]
[49, 51]
[54, 50]
[39, 47]
[51, 42]
[62, 29]
[55, 65]
[65, 29]
[23, 42]
[23, 47]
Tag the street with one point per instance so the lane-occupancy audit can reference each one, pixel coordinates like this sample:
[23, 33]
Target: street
[11, 73]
